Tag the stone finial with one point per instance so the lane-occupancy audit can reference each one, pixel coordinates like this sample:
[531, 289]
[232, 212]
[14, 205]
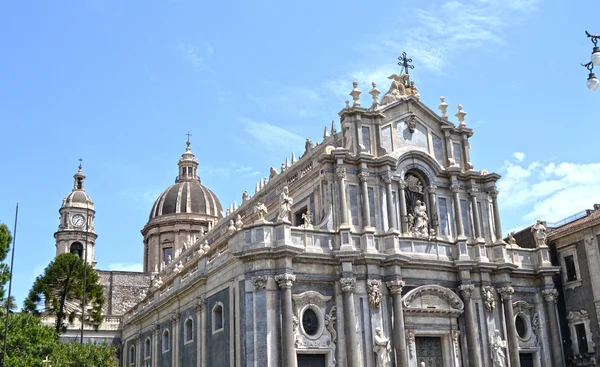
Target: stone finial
[443, 107]
[347, 104]
[287, 163]
[461, 116]
[235, 206]
[355, 93]
[257, 188]
[375, 94]
[333, 128]
[293, 157]
[265, 181]
[325, 133]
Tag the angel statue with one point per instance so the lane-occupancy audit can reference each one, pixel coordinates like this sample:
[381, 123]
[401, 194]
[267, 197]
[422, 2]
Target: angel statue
[261, 210]
[397, 89]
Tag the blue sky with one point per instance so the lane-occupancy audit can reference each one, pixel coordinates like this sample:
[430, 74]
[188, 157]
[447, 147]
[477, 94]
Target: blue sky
[119, 83]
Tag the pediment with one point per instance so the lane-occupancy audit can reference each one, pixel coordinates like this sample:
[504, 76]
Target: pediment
[432, 299]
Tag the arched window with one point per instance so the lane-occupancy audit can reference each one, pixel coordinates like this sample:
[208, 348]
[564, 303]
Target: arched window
[147, 348]
[188, 330]
[166, 341]
[77, 249]
[132, 355]
[217, 317]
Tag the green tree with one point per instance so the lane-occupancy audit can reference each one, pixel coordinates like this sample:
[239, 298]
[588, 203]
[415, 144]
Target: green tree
[5, 240]
[59, 292]
[84, 355]
[28, 341]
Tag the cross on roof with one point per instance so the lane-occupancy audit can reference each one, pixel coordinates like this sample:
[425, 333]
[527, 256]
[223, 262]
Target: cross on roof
[405, 63]
[188, 135]
[80, 160]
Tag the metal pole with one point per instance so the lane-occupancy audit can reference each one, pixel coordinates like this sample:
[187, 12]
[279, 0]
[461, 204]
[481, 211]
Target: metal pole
[12, 261]
[87, 223]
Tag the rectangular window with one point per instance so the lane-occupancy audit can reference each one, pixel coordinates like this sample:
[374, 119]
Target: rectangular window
[444, 219]
[167, 251]
[395, 204]
[581, 338]
[353, 191]
[464, 208]
[457, 153]
[481, 227]
[570, 268]
[371, 194]
[366, 137]
[386, 138]
[383, 198]
[438, 151]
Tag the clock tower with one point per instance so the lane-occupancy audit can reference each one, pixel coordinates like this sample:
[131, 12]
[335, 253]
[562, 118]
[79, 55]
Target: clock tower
[76, 233]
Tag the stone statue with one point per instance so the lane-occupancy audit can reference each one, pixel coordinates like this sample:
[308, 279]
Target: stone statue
[169, 259]
[382, 348]
[162, 265]
[412, 90]
[283, 167]
[539, 233]
[308, 146]
[156, 268]
[498, 346]
[374, 286]
[307, 218]
[238, 222]
[422, 364]
[179, 267]
[285, 205]
[418, 220]
[261, 210]
[245, 196]
[206, 246]
[397, 90]
[488, 296]
[272, 173]
[511, 239]
[231, 226]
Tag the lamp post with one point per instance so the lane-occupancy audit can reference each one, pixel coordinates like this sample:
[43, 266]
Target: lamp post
[592, 81]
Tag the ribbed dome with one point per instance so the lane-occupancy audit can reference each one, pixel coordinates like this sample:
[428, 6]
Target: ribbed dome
[77, 197]
[187, 197]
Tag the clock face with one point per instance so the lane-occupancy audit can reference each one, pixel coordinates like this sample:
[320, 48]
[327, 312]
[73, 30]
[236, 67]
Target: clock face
[78, 220]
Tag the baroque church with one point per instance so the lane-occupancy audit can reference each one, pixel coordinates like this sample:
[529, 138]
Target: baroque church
[380, 246]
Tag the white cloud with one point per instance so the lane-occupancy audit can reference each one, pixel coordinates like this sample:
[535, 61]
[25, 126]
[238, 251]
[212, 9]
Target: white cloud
[193, 56]
[273, 138]
[125, 267]
[550, 191]
[518, 156]
[227, 171]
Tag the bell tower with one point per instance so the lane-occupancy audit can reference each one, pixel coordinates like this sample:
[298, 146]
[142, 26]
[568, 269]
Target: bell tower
[76, 233]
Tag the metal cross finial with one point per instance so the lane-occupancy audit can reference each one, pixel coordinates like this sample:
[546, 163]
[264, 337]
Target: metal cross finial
[80, 160]
[405, 62]
[188, 135]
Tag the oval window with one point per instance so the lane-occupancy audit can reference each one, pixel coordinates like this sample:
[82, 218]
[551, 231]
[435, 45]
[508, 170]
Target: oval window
[521, 326]
[310, 322]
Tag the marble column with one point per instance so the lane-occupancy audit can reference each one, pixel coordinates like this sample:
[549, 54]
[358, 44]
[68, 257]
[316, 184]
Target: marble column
[391, 210]
[476, 223]
[363, 175]
[200, 326]
[466, 290]
[138, 350]
[403, 209]
[395, 287]
[460, 229]
[497, 225]
[285, 282]
[433, 215]
[340, 171]
[175, 338]
[155, 344]
[511, 330]
[551, 296]
[348, 285]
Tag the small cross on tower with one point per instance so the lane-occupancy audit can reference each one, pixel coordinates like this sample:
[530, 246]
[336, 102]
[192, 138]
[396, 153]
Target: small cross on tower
[188, 140]
[80, 160]
[404, 62]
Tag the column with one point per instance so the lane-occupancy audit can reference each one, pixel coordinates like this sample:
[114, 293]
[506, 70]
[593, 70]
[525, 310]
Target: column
[156, 343]
[391, 210]
[395, 287]
[511, 330]
[200, 326]
[340, 171]
[348, 285]
[460, 229]
[403, 211]
[433, 214]
[138, 352]
[466, 291]
[473, 195]
[287, 315]
[175, 338]
[363, 175]
[497, 226]
[551, 296]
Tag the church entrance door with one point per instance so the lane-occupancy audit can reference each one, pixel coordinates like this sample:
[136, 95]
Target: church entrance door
[429, 350]
[526, 359]
[311, 360]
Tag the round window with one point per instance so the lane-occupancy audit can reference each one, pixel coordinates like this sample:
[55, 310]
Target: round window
[310, 322]
[521, 326]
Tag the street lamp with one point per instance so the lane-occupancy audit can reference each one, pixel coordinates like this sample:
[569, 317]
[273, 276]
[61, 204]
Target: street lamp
[592, 82]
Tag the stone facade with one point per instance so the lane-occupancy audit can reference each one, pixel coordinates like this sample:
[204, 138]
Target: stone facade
[381, 244]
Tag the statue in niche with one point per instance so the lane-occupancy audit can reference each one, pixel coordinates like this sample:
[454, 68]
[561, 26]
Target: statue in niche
[285, 205]
[498, 346]
[374, 286]
[539, 233]
[382, 347]
[417, 220]
[261, 210]
[397, 90]
[413, 184]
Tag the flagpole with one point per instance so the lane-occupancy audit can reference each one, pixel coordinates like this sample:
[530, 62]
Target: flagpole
[12, 261]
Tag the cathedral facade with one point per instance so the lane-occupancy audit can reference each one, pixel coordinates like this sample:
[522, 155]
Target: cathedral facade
[380, 246]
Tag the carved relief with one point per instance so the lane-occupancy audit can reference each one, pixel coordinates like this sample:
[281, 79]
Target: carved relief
[466, 290]
[374, 286]
[348, 284]
[487, 292]
[433, 299]
[285, 280]
[506, 292]
[395, 286]
[550, 295]
[260, 282]
[454, 334]
[410, 340]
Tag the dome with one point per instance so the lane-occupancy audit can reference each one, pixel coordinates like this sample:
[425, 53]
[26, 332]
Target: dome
[77, 197]
[187, 197]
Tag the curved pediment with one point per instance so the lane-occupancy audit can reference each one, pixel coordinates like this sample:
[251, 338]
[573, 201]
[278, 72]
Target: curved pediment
[433, 299]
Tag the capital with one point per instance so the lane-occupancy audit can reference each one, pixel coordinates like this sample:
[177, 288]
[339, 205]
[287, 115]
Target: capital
[395, 286]
[431, 189]
[155, 327]
[455, 188]
[348, 284]
[260, 282]
[493, 193]
[200, 303]
[363, 175]
[285, 280]
[466, 290]
[506, 292]
[340, 171]
[175, 317]
[387, 177]
[402, 185]
[473, 191]
[550, 295]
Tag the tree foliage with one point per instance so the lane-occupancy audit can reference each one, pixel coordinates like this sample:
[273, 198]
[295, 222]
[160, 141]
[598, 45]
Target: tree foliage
[28, 341]
[90, 354]
[59, 292]
[5, 240]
